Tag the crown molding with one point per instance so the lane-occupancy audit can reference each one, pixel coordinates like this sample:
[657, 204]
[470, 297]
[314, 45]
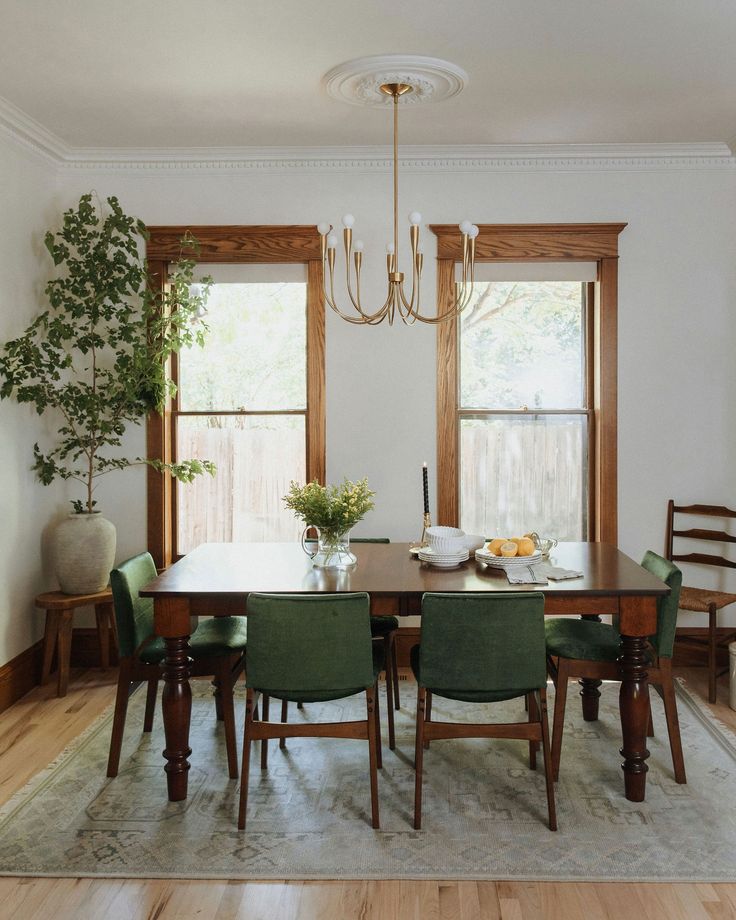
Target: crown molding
[456, 158]
[31, 134]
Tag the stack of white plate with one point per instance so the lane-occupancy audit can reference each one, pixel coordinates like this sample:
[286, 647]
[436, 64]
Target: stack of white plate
[443, 560]
[506, 562]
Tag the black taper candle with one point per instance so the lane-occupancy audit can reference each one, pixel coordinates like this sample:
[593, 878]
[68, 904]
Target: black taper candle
[425, 484]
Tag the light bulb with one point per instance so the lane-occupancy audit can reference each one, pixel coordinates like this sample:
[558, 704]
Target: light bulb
[323, 228]
[331, 241]
[358, 246]
[465, 226]
[348, 221]
[473, 232]
[390, 248]
[415, 218]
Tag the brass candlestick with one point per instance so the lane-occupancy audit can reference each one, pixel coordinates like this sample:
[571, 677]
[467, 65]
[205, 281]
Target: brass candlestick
[427, 522]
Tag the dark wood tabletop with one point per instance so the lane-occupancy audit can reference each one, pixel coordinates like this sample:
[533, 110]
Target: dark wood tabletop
[227, 569]
[217, 578]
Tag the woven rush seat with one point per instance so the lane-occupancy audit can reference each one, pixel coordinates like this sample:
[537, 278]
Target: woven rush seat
[700, 599]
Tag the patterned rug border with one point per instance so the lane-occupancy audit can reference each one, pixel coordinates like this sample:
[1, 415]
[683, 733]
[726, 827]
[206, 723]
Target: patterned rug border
[717, 729]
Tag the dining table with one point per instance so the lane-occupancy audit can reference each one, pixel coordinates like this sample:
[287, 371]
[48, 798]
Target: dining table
[216, 579]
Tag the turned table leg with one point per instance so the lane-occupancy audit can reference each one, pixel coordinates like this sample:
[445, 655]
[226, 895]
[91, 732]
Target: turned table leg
[634, 706]
[177, 714]
[589, 692]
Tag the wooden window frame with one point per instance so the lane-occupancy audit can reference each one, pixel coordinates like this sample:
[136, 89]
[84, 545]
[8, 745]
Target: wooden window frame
[538, 243]
[232, 245]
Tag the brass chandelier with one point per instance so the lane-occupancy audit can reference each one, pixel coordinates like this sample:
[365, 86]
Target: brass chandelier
[397, 301]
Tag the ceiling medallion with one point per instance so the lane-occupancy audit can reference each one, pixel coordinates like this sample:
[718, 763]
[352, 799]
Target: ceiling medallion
[358, 82]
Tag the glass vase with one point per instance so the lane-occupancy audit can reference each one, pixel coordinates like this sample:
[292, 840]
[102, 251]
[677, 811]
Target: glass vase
[332, 549]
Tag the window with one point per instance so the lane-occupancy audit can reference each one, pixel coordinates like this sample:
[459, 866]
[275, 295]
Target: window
[526, 383]
[523, 409]
[252, 400]
[242, 403]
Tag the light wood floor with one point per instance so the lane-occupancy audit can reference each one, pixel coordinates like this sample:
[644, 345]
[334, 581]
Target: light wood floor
[37, 728]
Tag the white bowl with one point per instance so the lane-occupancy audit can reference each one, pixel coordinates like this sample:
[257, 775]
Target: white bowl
[446, 539]
[474, 541]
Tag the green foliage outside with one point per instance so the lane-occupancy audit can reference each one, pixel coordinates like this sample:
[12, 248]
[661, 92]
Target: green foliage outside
[521, 344]
[98, 355]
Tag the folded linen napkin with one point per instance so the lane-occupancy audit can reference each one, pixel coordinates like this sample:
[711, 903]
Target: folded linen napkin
[526, 575]
[556, 573]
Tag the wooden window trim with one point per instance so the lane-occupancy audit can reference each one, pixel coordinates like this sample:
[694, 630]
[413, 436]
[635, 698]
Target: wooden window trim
[537, 243]
[232, 245]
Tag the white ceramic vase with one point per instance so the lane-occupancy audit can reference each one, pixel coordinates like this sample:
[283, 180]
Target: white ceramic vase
[84, 547]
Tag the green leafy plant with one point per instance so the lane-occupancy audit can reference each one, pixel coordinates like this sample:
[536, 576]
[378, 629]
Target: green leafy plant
[98, 355]
[334, 509]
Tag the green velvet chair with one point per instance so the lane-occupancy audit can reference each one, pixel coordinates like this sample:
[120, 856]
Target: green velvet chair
[585, 649]
[383, 629]
[217, 648]
[311, 648]
[482, 648]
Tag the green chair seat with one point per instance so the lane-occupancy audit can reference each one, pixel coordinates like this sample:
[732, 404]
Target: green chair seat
[212, 638]
[582, 639]
[382, 626]
[467, 696]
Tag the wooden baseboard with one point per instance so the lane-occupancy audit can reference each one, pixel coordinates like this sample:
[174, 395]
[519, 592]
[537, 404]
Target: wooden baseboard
[86, 649]
[20, 675]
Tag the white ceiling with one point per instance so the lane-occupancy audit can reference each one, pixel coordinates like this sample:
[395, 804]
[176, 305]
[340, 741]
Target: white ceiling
[238, 73]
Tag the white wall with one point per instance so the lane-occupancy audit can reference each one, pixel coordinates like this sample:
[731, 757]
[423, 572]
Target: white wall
[677, 321]
[26, 508]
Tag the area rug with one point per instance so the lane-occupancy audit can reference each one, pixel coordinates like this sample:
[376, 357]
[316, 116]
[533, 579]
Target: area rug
[484, 810]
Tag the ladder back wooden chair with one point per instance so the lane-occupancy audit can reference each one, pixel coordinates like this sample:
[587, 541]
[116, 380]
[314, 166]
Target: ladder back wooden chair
[702, 600]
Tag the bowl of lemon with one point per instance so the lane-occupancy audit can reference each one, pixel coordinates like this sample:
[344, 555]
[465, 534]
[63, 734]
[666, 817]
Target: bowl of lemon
[506, 552]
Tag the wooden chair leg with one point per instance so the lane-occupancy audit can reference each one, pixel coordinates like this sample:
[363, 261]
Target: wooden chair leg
[118, 721]
[547, 757]
[558, 724]
[379, 743]
[64, 649]
[395, 671]
[50, 638]
[227, 682]
[217, 693]
[371, 695]
[428, 716]
[151, 697]
[264, 742]
[712, 652]
[243, 800]
[103, 613]
[533, 717]
[388, 654]
[284, 719]
[650, 723]
[673, 723]
[419, 756]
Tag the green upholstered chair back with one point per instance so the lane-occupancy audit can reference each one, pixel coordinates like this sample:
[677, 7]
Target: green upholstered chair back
[133, 614]
[317, 643]
[664, 640]
[369, 540]
[483, 642]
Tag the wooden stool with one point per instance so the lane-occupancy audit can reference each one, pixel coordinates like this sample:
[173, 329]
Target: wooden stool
[58, 634]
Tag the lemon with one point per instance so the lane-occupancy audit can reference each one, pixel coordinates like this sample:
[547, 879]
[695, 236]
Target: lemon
[509, 548]
[495, 545]
[526, 546]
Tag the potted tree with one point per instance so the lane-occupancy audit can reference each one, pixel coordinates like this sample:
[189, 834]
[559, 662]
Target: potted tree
[97, 358]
